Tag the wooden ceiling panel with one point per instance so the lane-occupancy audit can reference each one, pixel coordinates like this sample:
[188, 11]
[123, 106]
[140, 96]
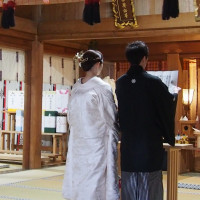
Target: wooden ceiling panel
[156, 50]
[61, 25]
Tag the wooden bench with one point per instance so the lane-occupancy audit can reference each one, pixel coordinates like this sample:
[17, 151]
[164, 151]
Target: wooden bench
[58, 149]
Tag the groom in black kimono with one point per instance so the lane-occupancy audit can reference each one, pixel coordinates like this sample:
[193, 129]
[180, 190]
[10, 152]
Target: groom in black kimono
[146, 118]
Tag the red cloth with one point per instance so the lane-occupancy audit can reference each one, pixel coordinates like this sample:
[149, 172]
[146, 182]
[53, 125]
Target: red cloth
[11, 4]
[91, 1]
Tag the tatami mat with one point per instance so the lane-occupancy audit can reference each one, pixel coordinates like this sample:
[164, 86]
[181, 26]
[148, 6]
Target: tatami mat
[46, 183]
[9, 167]
[32, 184]
[183, 193]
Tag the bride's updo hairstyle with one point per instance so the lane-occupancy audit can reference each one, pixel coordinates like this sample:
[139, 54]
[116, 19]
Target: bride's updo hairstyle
[89, 58]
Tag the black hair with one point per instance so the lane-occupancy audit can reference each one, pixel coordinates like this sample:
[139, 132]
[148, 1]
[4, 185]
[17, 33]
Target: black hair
[91, 57]
[135, 51]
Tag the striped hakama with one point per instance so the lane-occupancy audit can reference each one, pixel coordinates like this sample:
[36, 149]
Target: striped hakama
[142, 185]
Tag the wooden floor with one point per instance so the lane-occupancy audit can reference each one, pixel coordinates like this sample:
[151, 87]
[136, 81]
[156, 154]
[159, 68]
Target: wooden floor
[46, 183]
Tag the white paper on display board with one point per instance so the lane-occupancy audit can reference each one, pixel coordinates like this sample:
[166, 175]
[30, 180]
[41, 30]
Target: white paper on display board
[19, 124]
[169, 78]
[15, 100]
[49, 121]
[49, 100]
[62, 98]
[61, 124]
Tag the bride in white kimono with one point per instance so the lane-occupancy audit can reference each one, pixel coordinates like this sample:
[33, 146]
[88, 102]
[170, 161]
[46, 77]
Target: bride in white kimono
[91, 169]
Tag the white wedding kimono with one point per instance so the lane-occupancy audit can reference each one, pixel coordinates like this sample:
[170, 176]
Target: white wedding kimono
[91, 169]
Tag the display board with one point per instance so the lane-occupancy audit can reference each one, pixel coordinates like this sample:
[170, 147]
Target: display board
[56, 100]
[51, 101]
[15, 100]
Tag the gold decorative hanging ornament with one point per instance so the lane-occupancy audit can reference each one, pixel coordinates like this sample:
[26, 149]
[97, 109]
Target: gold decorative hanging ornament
[124, 13]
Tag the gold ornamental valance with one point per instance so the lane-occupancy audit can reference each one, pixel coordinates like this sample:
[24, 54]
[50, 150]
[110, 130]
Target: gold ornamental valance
[124, 13]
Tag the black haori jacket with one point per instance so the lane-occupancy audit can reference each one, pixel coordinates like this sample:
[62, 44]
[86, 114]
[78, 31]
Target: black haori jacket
[146, 118]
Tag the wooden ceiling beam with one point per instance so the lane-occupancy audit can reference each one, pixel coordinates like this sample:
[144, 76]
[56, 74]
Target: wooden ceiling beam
[149, 26]
[152, 39]
[71, 44]
[24, 29]
[54, 49]
[155, 50]
[41, 2]
[25, 25]
[46, 2]
[13, 42]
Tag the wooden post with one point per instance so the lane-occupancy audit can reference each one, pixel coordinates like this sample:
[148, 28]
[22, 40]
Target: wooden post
[172, 173]
[173, 63]
[33, 107]
[54, 144]
[2, 141]
[193, 85]
[36, 104]
[12, 129]
[27, 111]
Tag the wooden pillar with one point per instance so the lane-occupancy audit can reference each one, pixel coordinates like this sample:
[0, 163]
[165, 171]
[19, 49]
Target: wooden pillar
[33, 107]
[193, 85]
[27, 111]
[198, 94]
[172, 173]
[173, 63]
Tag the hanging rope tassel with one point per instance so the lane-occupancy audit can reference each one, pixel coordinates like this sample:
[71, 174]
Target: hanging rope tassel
[87, 12]
[4, 17]
[170, 9]
[96, 11]
[165, 10]
[7, 19]
[174, 8]
[91, 12]
[11, 13]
